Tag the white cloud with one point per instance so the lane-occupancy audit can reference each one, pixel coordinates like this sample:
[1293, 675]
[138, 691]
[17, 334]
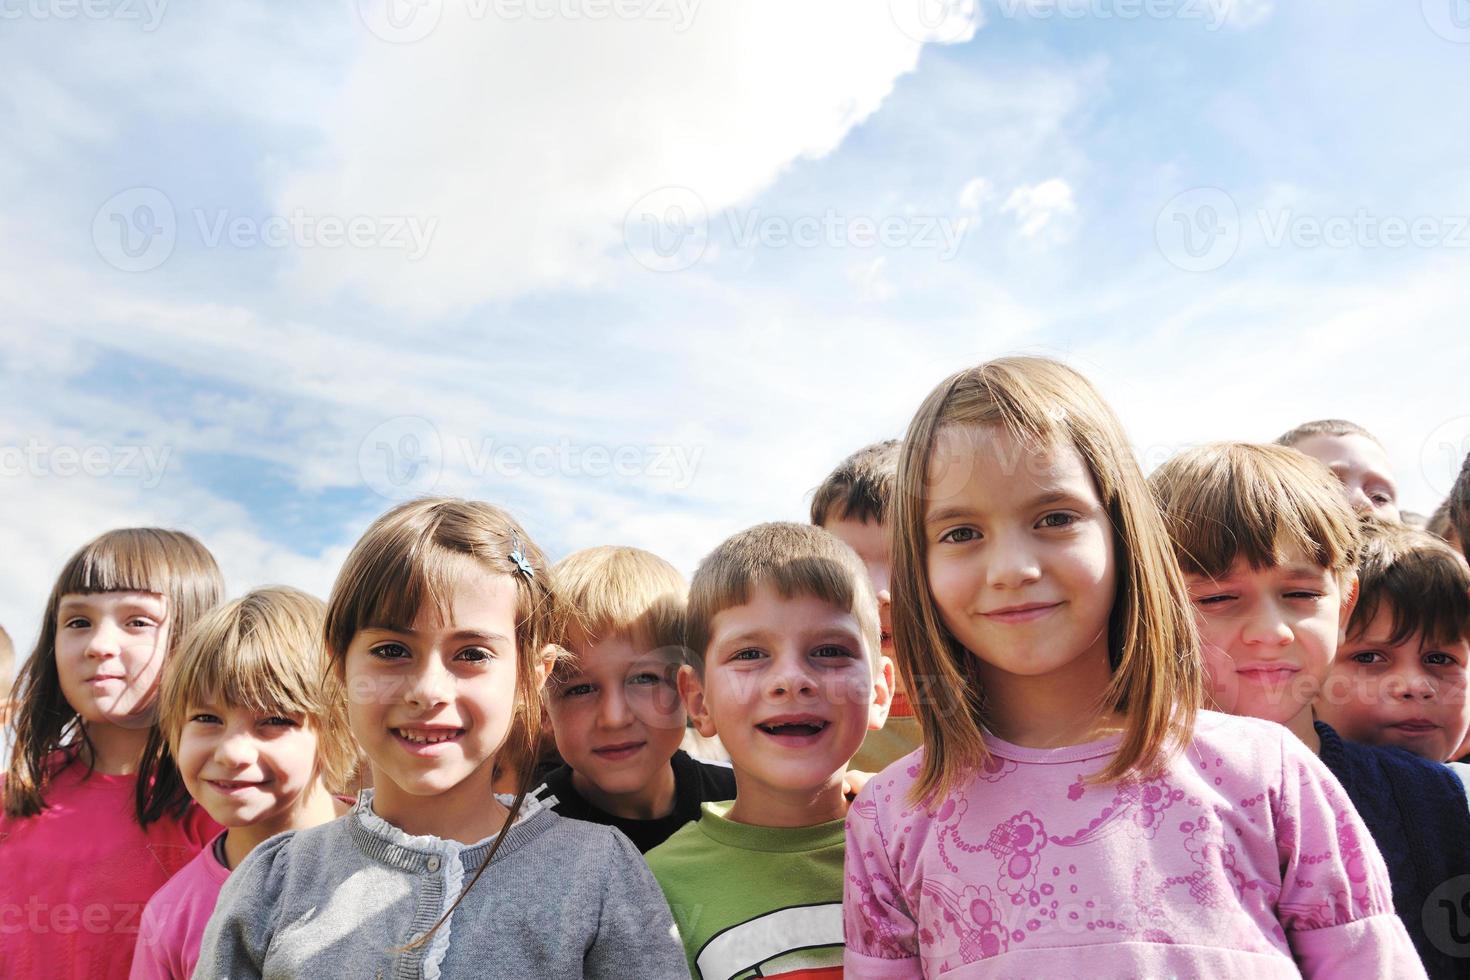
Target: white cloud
[529, 141]
[976, 193]
[1041, 208]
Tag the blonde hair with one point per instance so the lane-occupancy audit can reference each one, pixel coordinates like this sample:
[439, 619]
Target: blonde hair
[1424, 583]
[264, 653]
[137, 559]
[612, 591]
[1234, 500]
[795, 560]
[860, 488]
[410, 559]
[1152, 646]
[1324, 427]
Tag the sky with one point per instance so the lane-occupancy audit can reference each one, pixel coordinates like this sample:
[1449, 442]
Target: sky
[644, 271]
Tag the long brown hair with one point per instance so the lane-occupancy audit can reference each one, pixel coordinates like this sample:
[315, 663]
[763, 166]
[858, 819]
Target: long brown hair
[139, 559]
[1153, 651]
[409, 558]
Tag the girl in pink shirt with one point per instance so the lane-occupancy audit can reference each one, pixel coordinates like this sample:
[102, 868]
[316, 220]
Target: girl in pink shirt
[1072, 811]
[257, 725]
[88, 833]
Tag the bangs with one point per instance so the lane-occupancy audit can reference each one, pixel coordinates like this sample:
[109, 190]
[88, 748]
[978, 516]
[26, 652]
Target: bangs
[1424, 583]
[253, 676]
[127, 560]
[1231, 501]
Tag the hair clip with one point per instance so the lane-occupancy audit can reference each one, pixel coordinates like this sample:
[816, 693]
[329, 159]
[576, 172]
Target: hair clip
[519, 557]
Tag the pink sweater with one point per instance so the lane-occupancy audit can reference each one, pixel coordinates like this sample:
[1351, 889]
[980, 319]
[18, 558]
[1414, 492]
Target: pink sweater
[74, 879]
[1243, 858]
[174, 920]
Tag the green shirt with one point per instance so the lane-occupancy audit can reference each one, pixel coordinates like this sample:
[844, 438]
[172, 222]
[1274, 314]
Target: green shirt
[754, 901]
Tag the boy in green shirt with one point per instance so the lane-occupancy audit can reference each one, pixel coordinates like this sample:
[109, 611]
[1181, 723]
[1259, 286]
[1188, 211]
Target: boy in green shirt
[784, 666]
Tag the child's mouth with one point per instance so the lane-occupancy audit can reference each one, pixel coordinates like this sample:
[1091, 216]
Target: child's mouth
[795, 731]
[615, 753]
[420, 739]
[230, 787]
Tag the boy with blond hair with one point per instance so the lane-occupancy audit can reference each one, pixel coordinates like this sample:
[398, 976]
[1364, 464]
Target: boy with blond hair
[614, 702]
[784, 667]
[853, 504]
[1356, 458]
[1268, 545]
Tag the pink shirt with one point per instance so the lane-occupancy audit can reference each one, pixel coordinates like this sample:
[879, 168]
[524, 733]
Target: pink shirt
[174, 921]
[74, 879]
[1242, 858]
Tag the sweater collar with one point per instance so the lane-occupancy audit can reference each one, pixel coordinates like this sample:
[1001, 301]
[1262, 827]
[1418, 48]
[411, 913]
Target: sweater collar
[382, 841]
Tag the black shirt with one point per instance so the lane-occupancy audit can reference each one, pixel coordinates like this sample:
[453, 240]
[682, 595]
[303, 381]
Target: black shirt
[695, 783]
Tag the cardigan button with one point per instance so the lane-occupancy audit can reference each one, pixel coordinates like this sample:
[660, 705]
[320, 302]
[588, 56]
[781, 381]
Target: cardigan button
[433, 863]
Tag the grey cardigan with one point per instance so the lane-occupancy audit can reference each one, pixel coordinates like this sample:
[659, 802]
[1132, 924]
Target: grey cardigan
[562, 899]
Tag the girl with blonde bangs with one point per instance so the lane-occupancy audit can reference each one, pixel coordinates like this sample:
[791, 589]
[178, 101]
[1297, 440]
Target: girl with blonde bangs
[257, 728]
[438, 629]
[90, 830]
[1073, 810]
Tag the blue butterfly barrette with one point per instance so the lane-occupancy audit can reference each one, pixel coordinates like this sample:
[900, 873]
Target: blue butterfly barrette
[519, 557]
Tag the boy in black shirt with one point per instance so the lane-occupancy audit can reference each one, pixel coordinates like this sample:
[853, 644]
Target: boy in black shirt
[614, 704]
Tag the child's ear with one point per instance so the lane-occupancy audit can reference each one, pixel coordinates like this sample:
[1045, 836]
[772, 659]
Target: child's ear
[546, 663]
[883, 687]
[1349, 603]
[691, 690]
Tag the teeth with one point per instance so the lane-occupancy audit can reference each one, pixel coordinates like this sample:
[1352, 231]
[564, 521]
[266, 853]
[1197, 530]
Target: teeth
[426, 739]
[794, 729]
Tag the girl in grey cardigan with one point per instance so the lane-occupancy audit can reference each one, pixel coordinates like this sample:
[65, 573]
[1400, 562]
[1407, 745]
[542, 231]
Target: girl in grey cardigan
[436, 626]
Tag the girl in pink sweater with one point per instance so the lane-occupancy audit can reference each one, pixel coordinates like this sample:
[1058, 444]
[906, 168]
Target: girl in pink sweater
[1072, 811]
[88, 832]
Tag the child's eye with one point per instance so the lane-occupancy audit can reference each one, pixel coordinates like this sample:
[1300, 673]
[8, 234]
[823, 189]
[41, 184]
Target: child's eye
[1213, 600]
[280, 721]
[204, 718]
[576, 690]
[831, 651]
[1304, 594]
[76, 623]
[645, 679]
[960, 535]
[1059, 519]
[474, 655]
[141, 622]
[747, 654]
[1367, 657]
[391, 651]
[1437, 659]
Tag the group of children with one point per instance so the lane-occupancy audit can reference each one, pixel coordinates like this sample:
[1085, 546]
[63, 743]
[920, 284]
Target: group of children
[1004, 708]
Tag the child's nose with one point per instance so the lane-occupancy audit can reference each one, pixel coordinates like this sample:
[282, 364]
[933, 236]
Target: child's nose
[1013, 566]
[105, 641]
[234, 750]
[1268, 628]
[429, 686]
[1412, 686]
[612, 710]
[787, 679]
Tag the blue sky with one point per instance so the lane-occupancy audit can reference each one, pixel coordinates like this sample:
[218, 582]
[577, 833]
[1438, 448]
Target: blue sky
[850, 208]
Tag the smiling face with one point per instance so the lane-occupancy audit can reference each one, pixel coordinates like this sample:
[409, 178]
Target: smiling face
[110, 648]
[873, 544]
[1268, 635]
[246, 767]
[790, 687]
[1363, 469]
[1020, 557]
[618, 720]
[1410, 694]
[431, 705]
